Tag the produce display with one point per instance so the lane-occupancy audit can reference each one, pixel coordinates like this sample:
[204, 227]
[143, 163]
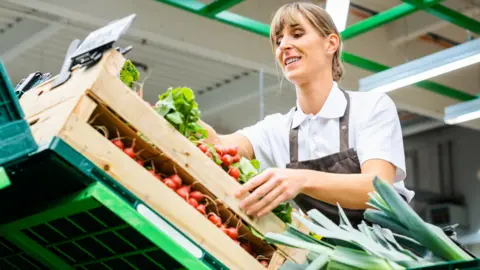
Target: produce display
[179, 108]
[204, 175]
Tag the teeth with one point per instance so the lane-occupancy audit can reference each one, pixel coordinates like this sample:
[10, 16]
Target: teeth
[291, 60]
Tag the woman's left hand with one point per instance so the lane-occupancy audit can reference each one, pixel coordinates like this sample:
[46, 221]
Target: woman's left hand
[271, 188]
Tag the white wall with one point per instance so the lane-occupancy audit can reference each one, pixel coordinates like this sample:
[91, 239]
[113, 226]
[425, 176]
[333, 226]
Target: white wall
[465, 165]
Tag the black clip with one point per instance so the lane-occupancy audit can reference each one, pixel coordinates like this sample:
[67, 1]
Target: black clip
[32, 80]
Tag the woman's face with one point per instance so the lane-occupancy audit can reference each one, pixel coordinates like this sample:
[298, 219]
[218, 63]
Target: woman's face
[303, 53]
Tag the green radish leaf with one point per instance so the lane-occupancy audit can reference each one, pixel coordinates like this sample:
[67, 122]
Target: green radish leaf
[175, 117]
[284, 212]
[255, 163]
[256, 233]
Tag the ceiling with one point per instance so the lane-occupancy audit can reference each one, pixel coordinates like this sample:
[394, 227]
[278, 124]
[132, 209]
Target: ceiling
[222, 63]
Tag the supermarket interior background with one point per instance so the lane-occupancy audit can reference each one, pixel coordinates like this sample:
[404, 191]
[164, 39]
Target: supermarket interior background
[223, 53]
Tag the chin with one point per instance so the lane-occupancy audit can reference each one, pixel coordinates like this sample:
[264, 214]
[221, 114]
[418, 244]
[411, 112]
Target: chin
[296, 77]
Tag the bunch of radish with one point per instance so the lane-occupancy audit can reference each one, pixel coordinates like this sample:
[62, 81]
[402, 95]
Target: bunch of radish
[226, 156]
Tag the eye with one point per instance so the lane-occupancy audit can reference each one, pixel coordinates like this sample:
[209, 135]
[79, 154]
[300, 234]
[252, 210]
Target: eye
[278, 40]
[298, 34]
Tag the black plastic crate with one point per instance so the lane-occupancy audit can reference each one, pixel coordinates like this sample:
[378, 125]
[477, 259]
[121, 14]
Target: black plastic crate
[16, 138]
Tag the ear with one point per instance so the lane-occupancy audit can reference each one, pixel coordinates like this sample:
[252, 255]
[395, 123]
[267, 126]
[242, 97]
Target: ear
[332, 43]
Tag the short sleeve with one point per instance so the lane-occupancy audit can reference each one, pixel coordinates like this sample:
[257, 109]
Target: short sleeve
[380, 136]
[258, 135]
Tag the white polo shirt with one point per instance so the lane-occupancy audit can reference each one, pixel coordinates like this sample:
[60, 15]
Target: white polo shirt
[374, 132]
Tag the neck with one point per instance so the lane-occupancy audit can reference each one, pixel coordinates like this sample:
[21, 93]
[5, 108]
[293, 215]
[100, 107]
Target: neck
[313, 94]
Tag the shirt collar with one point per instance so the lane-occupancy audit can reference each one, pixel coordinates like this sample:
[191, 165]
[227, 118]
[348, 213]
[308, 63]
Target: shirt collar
[334, 107]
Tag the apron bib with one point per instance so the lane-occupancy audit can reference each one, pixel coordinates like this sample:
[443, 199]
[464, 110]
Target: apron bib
[346, 161]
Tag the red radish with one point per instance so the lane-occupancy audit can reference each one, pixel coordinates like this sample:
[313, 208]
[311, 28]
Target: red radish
[215, 219]
[152, 171]
[209, 154]
[203, 148]
[197, 195]
[236, 159]
[176, 179]
[158, 176]
[227, 160]
[232, 232]
[234, 172]
[202, 209]
[246, 247]
[232, 150]
[219, 149]
[223, 228]
[118, 143]
[264, 263]
[183, 191]
[140, 162]
[130, 151]
[193, 202]
[169, 182]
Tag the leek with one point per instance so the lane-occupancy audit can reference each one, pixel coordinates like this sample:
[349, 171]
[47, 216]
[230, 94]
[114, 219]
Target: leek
[428, 235]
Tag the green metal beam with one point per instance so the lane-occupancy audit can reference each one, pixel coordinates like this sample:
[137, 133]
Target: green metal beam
[449, 15]
[385, 17]
[455, 17]
[352, 31]
[218, 6]
[378, 20]
[226, 17]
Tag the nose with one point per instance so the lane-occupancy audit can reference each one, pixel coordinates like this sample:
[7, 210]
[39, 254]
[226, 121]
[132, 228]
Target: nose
[285, 44]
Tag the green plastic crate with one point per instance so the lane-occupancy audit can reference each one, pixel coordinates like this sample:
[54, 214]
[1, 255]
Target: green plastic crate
[16, 138]
[96, 225]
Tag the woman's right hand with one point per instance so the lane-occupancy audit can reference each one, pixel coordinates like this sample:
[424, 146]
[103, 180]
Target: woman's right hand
[245, 148]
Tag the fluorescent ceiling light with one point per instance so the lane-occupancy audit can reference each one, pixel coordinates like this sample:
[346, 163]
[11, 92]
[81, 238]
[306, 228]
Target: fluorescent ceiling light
[423, 68]
[338, 10]
[462, 112]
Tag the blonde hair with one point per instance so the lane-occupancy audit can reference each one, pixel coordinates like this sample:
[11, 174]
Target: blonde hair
[318, 17]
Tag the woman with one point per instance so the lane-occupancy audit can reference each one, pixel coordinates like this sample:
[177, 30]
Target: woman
[329, 147]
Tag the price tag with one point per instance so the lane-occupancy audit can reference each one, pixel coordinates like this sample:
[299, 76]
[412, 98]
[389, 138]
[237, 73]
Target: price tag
[104, 36]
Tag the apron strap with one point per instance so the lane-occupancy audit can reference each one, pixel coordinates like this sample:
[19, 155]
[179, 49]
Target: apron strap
[343, 124]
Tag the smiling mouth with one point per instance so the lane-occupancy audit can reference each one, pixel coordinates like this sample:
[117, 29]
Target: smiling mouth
[291, 60]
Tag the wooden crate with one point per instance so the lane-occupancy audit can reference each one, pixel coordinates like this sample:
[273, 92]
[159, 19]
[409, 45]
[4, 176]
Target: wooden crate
[96, 97]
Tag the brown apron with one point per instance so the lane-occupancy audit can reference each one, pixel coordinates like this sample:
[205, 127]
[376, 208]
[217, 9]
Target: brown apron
[345, 161]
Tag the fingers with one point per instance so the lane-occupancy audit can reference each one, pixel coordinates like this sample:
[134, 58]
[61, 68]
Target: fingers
[260, 206]
[271, 206]
[254, 183]
[258, 194]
